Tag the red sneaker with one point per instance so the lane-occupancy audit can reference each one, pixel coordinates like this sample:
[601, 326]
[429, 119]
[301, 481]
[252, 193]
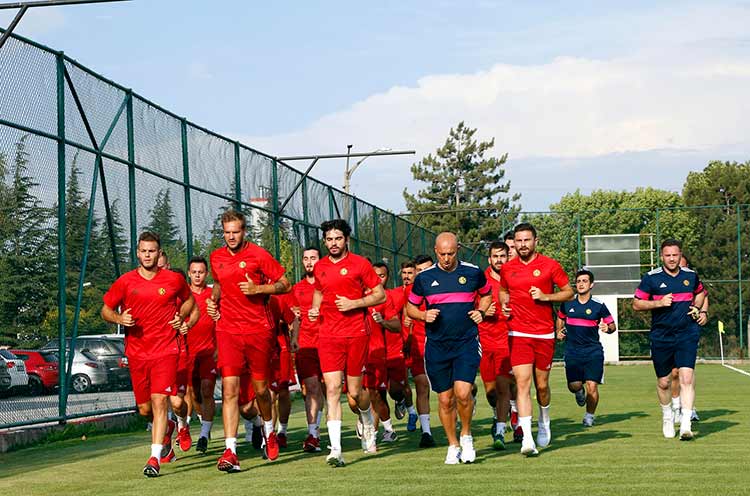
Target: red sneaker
[281, 437]
[152, 467]
[167, 454]
[518, 435]
[184, 441]
[272, 447]
[171, 426]
[513, 420]
[311, 444]
[228, 462]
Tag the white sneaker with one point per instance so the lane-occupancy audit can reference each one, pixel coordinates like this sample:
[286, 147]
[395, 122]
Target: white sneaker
[686, 431]
[389, 436]
[453, 457]
[588, 421]
[468, 454]
[359, 429]
[677, 415]
[368, 439]
[543, 435]
[335, 458]
[528, 448]
[667, 426]
[694, 416]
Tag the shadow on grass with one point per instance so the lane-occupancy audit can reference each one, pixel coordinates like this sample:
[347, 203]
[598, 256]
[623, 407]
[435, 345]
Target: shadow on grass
[704, 429]
[709, 414]
[583, 438]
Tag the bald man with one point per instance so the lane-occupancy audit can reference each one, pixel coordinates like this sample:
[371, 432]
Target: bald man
[452, 352]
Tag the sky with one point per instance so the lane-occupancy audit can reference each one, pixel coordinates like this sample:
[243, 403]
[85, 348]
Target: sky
[580, 95]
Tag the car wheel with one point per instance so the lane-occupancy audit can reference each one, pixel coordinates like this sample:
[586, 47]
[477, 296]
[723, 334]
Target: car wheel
[81, 383]
[36, 387]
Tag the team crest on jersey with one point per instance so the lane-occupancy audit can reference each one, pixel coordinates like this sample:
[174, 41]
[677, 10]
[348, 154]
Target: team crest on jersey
[588, 311]
[162, 291]
[686, 282]
[537, 273]
[462, 280]
[343, 271]
[243, 265]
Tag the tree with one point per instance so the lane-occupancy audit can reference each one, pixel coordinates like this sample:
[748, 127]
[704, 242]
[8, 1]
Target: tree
[459, 176]
[162, 223]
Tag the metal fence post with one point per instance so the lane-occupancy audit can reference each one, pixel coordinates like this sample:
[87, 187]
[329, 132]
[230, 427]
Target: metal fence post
[237, 178]
[275, 200]
[131, 181]
[330, 204]
[355, 218]
[394, 241]
[658, 231]
[186, 180]
[376, 236]
[61, 242]
[740, 324]
[305, 213]
[578, 237]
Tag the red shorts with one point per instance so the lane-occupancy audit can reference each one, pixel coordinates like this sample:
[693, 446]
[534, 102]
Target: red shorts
[397, 370]
[343, 354]
[495, 363]
[536, 351]
[183, 372]
[238, 352]
[202, 366]
[282, 371]
[416, 355]
[308, 363]
[154, 376]
[376, 375]
[247, 391]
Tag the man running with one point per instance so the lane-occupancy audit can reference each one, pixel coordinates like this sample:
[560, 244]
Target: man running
[527, 292]
[244, 275]
[452, 351]
[579, 323]
[674, 295]
[340, 302]
[149, 297]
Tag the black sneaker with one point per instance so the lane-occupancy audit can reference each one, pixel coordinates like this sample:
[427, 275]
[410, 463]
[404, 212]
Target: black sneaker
[202, 445]
[257, 437]
[426, 441]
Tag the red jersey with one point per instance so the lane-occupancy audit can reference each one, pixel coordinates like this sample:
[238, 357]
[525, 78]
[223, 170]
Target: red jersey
[377, 344]
[417, 327]
[529, 316]
[350, 277]
[152, 303]
[282, 316]
[493, 331]
[394, 341]
[302, 295]
[242, 314]
[202, 336]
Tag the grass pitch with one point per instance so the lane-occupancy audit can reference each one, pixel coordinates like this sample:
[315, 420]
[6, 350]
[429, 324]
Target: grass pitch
[624, 453]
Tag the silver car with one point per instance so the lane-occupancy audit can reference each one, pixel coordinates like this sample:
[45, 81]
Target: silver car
[87, 373]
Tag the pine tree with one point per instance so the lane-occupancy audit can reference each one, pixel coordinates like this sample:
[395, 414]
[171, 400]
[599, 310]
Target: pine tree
[162, 219]
[459, 176]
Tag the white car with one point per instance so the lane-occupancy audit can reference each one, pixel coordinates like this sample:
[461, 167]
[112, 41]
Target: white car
[19, 379]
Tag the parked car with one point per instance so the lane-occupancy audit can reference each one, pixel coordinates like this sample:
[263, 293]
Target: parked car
[108, 348]
[19, 379]
[4, 378]
[42, 368]
[87, 373]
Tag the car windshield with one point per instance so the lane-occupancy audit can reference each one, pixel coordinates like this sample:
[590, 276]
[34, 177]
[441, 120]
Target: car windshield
[8, 355]
[89, 355]
[50, 357]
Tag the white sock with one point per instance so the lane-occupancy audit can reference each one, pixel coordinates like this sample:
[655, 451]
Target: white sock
[334, 434]
[525, 423]
[666, 411]
[231, 444]
[181, 424]
[366, 416]
[206, 428]
[282, 428]
[588, 415]
[267, 427]
[188, 419]
[156, 451]
[387, 425]
[676, 403]
[686, 422]
[424, 421]
[500, 428]
[411, 410]
[494, 412]
[200, 418]
[312, 429]
[544, 414]
[513, 406]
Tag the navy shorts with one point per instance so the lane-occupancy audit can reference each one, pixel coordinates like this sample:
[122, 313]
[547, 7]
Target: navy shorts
[447, 362]
[585, 367]
[680, 352]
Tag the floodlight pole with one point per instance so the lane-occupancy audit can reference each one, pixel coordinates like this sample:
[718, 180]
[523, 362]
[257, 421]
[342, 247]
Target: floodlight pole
[24, 6]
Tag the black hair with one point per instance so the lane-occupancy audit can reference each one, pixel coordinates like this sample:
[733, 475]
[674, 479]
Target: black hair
[420, 259]
[382, 265]
[671, 242]
[150, 236]
[197, 259]
[497, 245]
[312, 248]
[408, 265]
[585, 272]
[525, 226]
[337, 224]
[509, 235]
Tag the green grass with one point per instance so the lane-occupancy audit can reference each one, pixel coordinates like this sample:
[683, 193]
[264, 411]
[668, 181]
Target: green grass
[624, 453]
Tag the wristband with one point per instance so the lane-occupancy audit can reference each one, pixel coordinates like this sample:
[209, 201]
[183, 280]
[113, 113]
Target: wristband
[481, 312]
[703, 311]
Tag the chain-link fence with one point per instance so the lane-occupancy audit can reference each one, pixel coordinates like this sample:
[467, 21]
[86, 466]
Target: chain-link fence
[85, 165]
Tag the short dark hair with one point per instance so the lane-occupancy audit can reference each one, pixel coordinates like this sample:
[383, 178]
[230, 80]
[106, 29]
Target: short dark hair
[150, 236]
[508, 235]
[585, 272]
[231, 216]
[337, 224]
[312, 248]
[179, 271]
[420, 259]
[408, 265]
[382, 265]
[671, 242]
[497, 245]
[687, 260]
[524, 226]
[199, 260]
